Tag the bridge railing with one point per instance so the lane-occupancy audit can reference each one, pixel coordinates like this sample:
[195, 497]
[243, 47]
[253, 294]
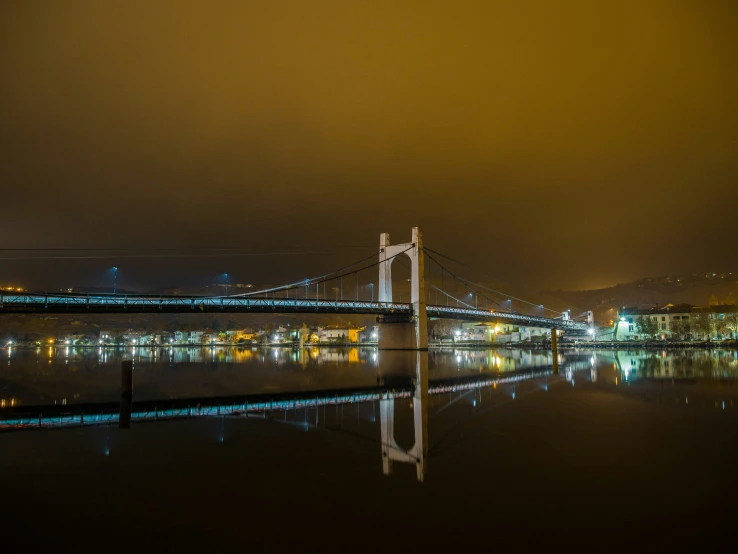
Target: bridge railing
[81, 302]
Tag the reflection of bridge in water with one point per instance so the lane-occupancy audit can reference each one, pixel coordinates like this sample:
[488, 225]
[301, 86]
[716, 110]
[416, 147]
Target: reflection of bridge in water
[417, 388]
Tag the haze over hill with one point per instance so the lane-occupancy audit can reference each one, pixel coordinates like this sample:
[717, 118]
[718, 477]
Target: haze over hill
[696, 289]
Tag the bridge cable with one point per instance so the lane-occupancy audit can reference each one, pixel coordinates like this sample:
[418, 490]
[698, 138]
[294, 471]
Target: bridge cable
[403, 263]
[452, 296]
[327, 277]
[496, 279]
[463, 282]
[308, 282]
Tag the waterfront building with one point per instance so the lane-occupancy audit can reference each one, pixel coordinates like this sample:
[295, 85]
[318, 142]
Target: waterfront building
[534, 334]
[340, 334]
[677, 322]
[486, 332]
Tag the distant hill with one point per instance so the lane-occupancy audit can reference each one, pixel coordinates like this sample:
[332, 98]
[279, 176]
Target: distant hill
[695, 289]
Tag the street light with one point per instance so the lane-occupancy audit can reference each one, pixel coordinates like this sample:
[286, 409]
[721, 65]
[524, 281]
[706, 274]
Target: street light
[115, 278]
[225, 275]
[372, 285]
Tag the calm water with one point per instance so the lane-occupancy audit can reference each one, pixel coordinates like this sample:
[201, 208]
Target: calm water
[68, 375]
[619, 451]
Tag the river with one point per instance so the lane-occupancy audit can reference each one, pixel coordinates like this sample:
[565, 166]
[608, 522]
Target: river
[69, 375]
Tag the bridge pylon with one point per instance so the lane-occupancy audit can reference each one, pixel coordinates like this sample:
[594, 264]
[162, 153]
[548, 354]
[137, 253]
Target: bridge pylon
[403, 334]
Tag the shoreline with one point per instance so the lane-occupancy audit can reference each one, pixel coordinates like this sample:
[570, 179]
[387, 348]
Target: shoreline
[606, 345]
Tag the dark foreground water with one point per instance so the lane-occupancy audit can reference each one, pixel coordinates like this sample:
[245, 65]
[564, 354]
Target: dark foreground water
[474, 450]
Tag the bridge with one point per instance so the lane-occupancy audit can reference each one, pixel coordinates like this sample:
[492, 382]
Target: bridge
[402, 325]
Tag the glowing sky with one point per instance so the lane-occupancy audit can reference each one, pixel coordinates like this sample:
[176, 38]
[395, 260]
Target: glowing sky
[561, 144]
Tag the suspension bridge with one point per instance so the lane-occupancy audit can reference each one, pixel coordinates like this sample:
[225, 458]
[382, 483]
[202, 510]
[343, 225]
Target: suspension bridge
[403, 325]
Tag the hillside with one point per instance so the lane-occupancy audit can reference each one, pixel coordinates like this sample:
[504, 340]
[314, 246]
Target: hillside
[696, 289]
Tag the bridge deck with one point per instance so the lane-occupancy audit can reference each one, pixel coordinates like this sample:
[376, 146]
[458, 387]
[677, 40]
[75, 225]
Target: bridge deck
[128, 304]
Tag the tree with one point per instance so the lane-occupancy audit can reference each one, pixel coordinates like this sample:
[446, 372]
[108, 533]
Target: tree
[640, 325]
[677, 328]
[646, 326]
[733, 323]
[702, 324]
[440, 328]
[721, 328]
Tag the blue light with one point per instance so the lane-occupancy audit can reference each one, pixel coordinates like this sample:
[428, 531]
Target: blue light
[474, 403]
[107, 452]
[222, 439]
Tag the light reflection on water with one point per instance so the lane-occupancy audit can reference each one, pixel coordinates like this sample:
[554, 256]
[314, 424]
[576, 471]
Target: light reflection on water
[51, 375]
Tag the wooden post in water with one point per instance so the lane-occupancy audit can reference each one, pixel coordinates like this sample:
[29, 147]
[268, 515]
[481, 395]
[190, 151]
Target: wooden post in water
[126, 394]
[554, 352]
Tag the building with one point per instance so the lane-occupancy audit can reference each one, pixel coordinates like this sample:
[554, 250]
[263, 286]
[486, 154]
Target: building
[486, 332]
[241, 336]
[534, 334]
[340, 334]
[210, 338]
[677, 322]
[369, 334]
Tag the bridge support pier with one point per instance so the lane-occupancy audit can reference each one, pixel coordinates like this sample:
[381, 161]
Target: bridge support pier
[403, 335]
[555, 351]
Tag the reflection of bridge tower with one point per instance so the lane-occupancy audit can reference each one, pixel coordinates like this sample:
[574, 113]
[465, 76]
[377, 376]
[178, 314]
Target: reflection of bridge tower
[593, 373]
[418, 453]
[404, 335]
